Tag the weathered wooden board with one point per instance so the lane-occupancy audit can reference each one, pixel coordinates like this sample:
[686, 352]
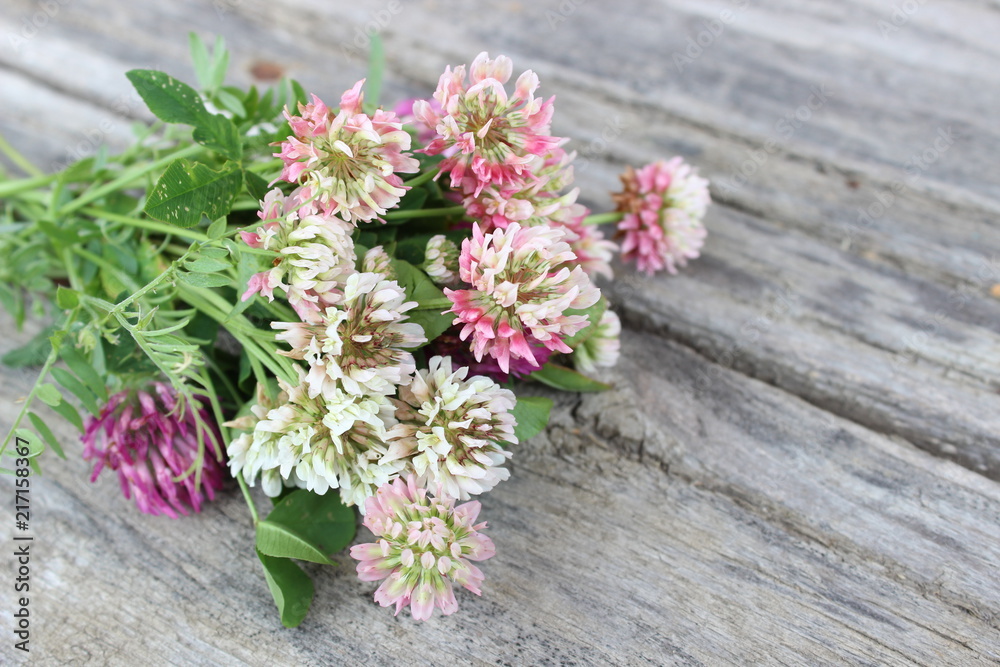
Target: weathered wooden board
[753, 527]
[753, 490]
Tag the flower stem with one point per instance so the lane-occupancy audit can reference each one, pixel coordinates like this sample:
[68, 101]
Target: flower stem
[13, 187]
[421, 179]
[18, 159]
[127, 177]
[142, 223]
[246, 496]
[49, 361]
[601, 218]
[424, 213]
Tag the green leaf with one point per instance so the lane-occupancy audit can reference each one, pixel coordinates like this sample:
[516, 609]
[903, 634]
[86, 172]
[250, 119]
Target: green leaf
[277, 540]
[532, 415]
[291, 588]
[24, 437]
[32, 353]
[200, 58]
[206, 265]
[230, 102]
[433, 322]
[413, 248]
[48, 394]
[187, 190]
[84, 370]
[78, 171]
[256, 185]
[216, 231]
[75, 387]
[206, 279]
[220, 62]
[220, 134]
[170, 100]
[299, 94]
[419, 288]
[567, 379]
[413, 199]
[46, 434]
[306, 526]
[594, 314]
[324, 519]
[69, 413]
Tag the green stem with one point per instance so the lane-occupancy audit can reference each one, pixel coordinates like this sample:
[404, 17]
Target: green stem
[49, 361]
[246, 496]
[18, 159]
[10, 188]
[424, 213]
[421, 179]
[128, 177]
[151, 225]
[435, 304]
[242, 330]
[151, 285]
[103, 264]
[265, 166]
[602, 218]
[74, 278]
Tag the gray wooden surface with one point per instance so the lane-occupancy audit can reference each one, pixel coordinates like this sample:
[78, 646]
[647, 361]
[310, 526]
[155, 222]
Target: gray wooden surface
[799, 462]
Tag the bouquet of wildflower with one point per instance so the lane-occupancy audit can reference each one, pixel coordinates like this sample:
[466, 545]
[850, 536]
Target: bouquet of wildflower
[332, 302]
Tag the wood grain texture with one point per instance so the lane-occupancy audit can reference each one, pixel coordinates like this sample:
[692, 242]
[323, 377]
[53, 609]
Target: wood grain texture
[797, 464]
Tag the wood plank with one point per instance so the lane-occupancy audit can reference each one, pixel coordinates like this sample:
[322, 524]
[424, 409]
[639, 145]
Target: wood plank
[700, 513]
[759, 544]
[901, 297]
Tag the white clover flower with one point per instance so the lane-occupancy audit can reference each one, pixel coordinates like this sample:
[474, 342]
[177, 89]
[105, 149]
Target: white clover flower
[441, 261]
[331, 441]
[315, 253]
[603, 346]
[361, 344]
[377, 261]
[453, 430]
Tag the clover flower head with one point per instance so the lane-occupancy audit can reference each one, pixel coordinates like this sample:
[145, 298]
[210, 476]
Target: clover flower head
[664, 203]
[497, 135]
[453, 429]
[376, 260]
[151, 438]
[593, 251]
[349, 161]
[534, 202]
[522, 285]
[360, 346]
[603, 345]
[424, 545]
[441, 261]
[315, 253]
[334, 440]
